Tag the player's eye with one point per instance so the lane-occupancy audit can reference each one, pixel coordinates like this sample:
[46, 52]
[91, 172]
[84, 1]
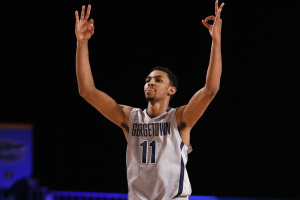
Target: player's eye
[158, 80]
[147, 80]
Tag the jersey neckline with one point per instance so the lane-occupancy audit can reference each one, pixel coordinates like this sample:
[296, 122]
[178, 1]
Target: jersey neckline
[168, 110]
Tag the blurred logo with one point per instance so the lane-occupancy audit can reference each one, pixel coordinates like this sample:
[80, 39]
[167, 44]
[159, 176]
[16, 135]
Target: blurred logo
[12, 151]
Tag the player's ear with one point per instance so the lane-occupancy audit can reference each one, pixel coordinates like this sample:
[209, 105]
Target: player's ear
[172, 90]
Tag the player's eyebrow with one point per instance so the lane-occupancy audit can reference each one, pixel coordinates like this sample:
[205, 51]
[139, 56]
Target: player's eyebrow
[157, 76]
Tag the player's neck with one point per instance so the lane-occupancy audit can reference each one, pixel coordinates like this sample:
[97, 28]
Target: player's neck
[155, 109]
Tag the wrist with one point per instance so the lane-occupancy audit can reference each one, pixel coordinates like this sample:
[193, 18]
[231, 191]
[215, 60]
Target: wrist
[80, 42]
[216, 40]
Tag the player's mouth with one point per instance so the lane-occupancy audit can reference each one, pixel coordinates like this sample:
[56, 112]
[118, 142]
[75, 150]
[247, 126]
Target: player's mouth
[149, 89]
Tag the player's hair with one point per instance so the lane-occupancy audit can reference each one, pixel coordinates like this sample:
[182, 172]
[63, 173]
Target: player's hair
[172, 77]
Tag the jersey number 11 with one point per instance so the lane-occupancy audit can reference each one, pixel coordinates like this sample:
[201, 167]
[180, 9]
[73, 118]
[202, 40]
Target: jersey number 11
[144, 146]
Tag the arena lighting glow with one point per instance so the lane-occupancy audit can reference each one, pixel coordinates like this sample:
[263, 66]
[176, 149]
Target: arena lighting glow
[69, 195]
[53, 195]
[43, 193]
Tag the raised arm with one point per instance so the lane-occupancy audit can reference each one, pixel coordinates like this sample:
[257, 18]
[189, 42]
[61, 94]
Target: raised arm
[190, 113]
[118, 114]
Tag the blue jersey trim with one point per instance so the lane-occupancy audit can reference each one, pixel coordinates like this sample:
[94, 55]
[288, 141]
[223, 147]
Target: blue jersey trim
[181, 145]
[180, 189]
[168, 110]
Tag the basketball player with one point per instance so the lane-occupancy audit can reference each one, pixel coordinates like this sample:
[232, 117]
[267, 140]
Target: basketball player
[158, 138]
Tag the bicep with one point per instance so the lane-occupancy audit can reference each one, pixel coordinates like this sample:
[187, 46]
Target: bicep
[196, 107]
[108, 107]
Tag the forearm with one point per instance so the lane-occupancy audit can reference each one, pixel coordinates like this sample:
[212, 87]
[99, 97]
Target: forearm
[83, 69]
[214, 70]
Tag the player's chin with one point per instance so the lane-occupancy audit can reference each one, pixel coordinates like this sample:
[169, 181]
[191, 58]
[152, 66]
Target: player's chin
[149, 98]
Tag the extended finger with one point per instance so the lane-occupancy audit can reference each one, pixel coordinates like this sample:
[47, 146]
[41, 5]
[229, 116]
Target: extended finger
[216, 7]
[87, 15]
[218, 15]
[76, 17]
[82, 13]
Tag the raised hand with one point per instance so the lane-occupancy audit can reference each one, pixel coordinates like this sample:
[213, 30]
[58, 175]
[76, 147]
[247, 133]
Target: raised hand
[215, 28]
[84, 28]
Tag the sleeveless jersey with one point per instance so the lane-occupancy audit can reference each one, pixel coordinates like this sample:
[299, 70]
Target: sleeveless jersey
[156, 158]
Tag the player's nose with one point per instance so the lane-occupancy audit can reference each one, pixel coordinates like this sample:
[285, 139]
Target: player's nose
[151, 83]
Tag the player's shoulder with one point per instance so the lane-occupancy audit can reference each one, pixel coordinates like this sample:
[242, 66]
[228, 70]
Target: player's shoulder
[180, 110]
[126, 109]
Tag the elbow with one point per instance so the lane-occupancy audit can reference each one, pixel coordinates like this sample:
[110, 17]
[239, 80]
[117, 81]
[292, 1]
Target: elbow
[83, 93]
[212, 91]
[86, 92]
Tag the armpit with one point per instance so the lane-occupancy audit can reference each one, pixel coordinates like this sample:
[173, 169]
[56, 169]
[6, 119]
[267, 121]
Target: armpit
[181, 126]
[125, 126]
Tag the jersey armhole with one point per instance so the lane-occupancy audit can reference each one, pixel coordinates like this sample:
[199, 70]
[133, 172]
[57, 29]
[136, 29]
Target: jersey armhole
[189, 148]
[132, 114]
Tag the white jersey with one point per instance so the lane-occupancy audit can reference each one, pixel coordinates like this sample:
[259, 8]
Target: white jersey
[156, 158]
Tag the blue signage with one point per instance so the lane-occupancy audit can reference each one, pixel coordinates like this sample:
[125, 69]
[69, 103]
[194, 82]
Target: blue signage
[15, 153]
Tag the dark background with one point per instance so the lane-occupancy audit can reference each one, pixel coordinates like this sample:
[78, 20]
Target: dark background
[245, 143]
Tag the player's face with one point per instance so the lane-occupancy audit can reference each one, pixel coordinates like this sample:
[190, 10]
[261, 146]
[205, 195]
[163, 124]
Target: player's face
[157, 86]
